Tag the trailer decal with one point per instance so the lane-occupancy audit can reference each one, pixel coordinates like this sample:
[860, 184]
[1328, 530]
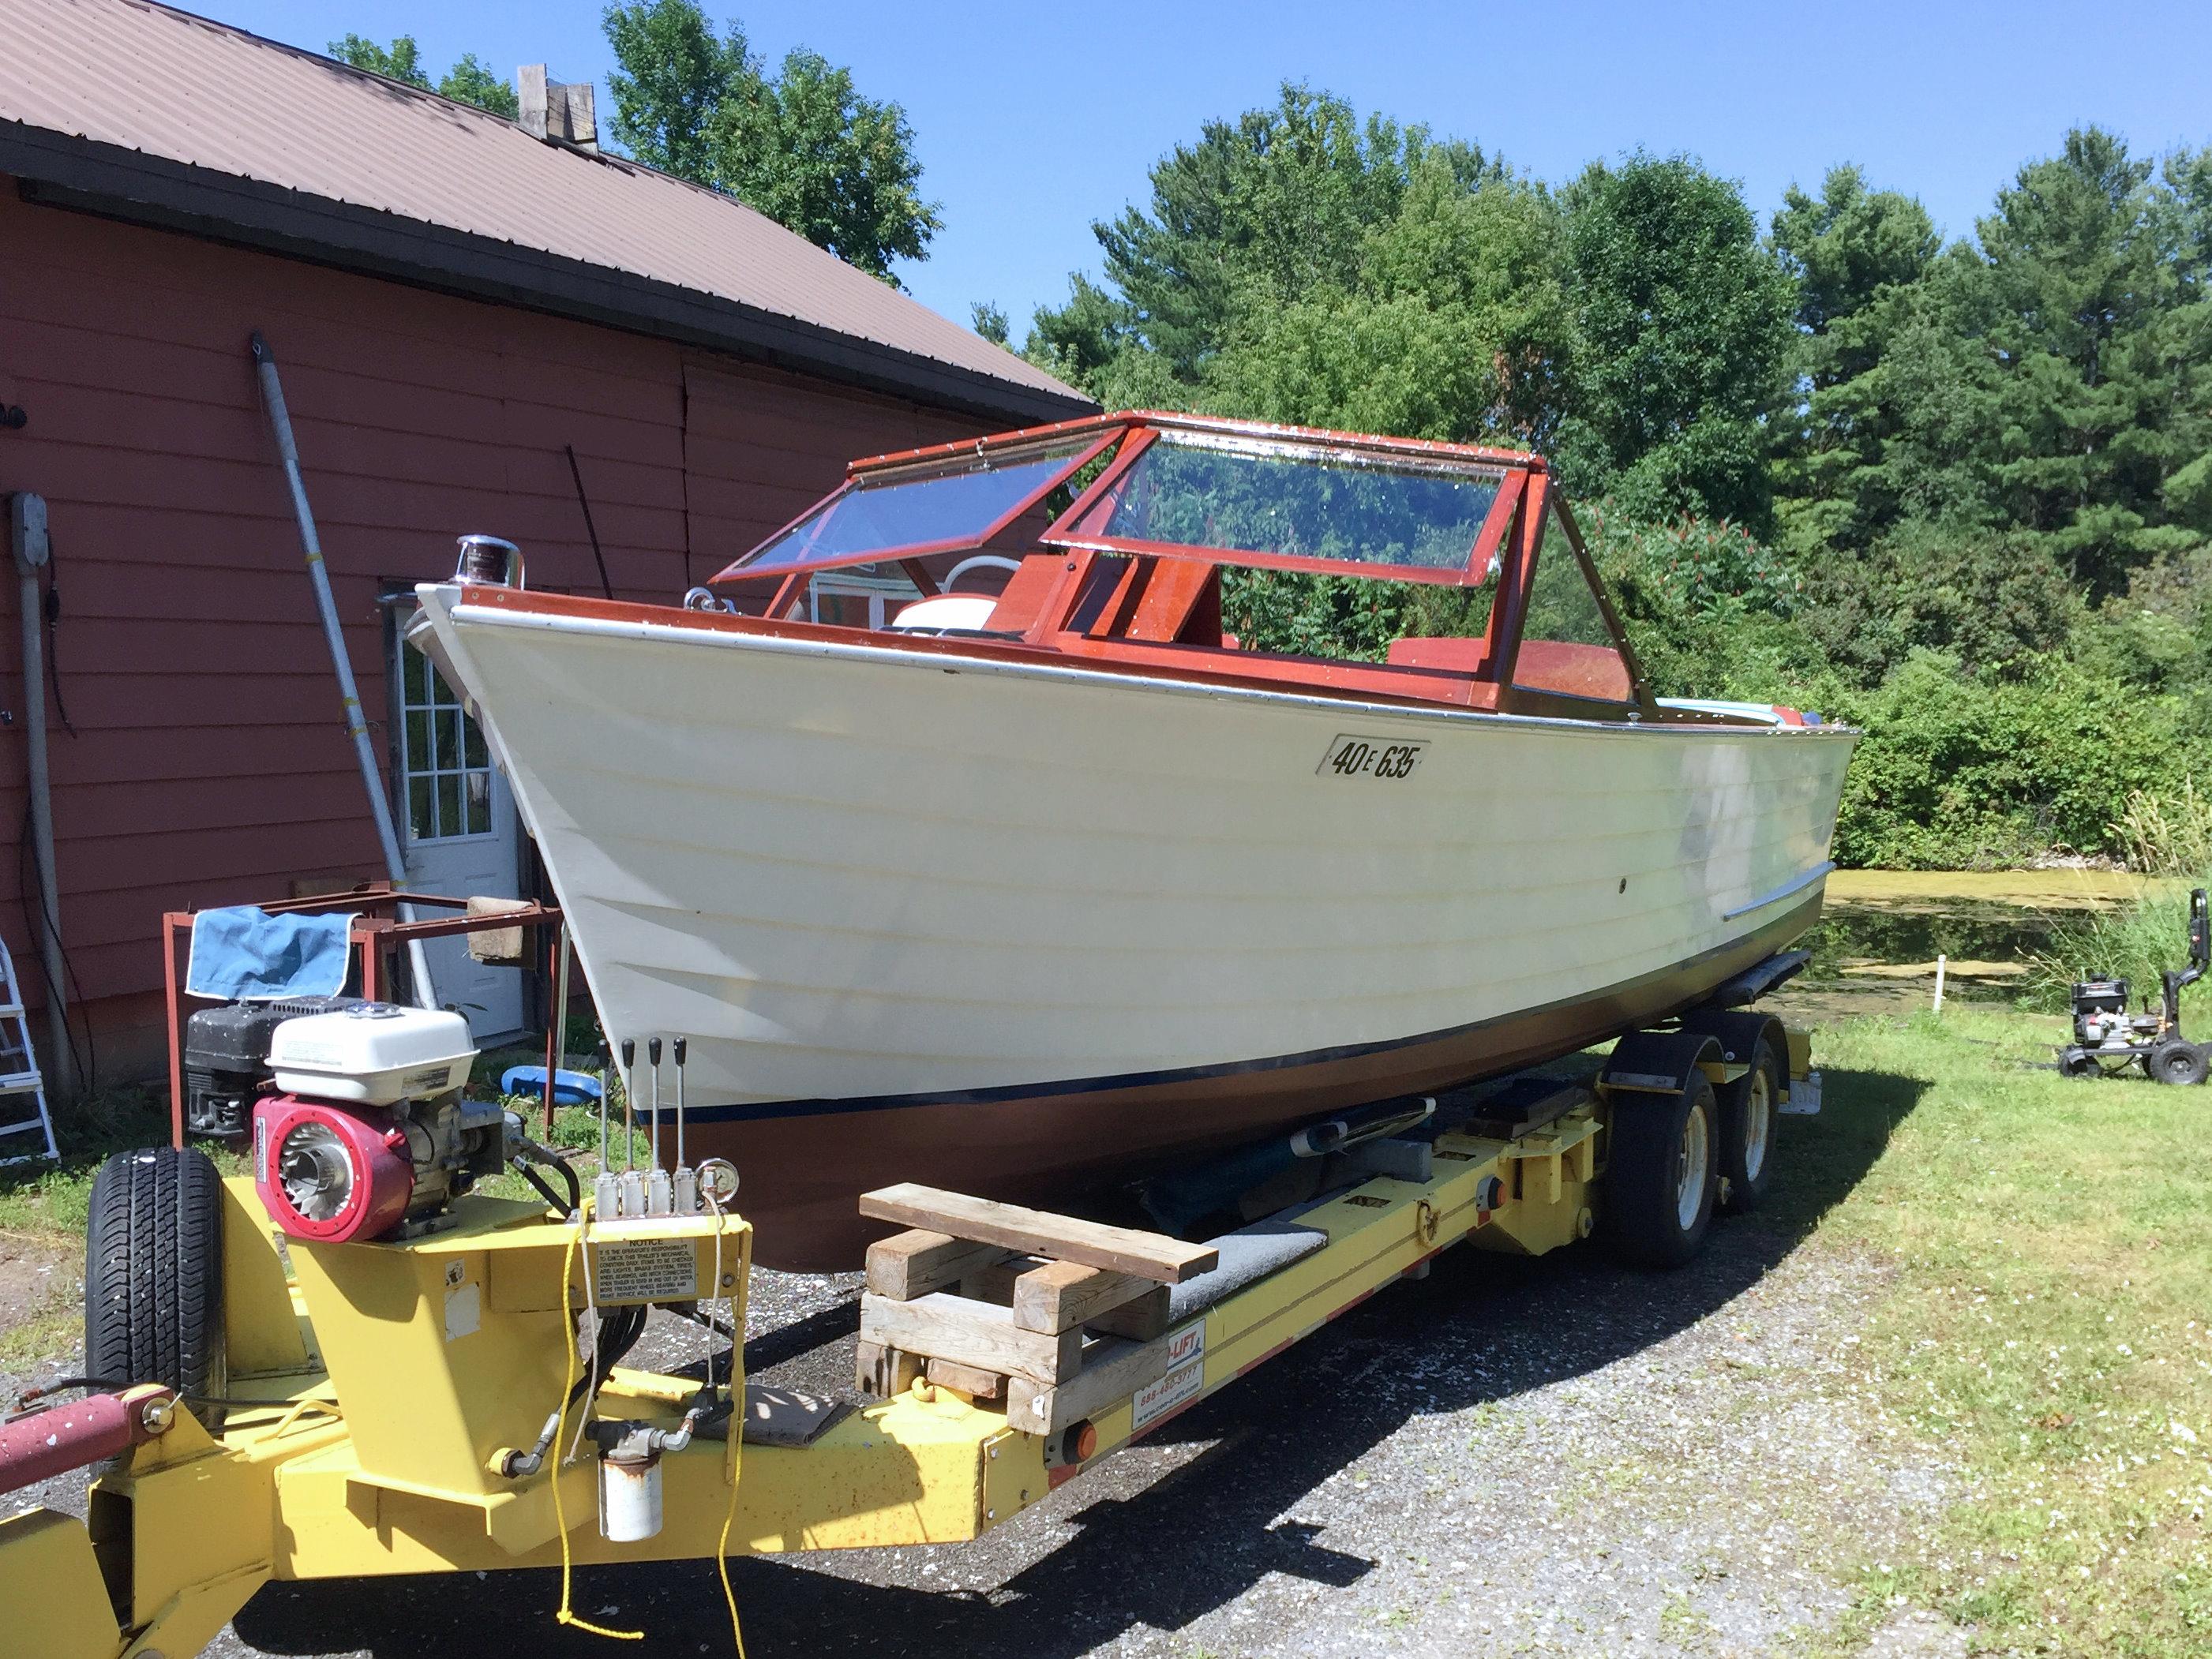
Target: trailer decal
[1185, 1378]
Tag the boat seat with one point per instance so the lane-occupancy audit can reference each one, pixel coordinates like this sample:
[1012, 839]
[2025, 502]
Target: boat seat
[1459, 656]
[964, 613]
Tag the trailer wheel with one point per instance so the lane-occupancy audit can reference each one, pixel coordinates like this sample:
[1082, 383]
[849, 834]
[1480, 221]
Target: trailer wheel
[2177, 1061]
[1662, 1173]
[153, 1304]
[1747, 1107]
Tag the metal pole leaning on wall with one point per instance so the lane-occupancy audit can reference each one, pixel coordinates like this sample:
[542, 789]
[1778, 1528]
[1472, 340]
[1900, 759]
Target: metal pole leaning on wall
[27, 535]
[380, 806]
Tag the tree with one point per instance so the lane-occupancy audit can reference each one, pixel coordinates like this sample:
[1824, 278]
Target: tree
[809, 151]
[1263, 210]
[989, 321]
[803, 147]
[470, 80]
[675, 75]
[1684, 330]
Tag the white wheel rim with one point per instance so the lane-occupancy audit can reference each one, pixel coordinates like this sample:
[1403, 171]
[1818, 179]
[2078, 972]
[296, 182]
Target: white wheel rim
[1758, 1122]
[1692, 1167]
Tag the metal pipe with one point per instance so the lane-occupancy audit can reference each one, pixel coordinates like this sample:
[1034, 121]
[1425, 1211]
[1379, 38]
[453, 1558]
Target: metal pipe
[26, 521]
[372, 776]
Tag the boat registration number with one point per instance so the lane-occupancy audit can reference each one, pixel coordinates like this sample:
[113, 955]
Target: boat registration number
[1350, 756]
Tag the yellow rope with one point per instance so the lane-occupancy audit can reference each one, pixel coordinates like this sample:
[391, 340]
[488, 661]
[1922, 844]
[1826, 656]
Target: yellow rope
[737, 1440]
[567, 1386]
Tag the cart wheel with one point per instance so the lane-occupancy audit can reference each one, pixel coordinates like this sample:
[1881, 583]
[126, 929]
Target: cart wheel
[1662, 1174]
[2178, 1062]
[153, 1305]
[1747, 1117]
[2074, 1063]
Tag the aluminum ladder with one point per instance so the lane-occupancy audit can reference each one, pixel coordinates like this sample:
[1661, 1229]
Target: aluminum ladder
[19, 1077]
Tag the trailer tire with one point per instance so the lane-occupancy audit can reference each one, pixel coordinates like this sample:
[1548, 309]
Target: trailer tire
[1748, 1110]
[2177, 1061]
[153, 1271]
[1662, 1173]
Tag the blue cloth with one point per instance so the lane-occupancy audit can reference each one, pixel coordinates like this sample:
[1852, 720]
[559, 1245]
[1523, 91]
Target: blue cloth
[570, 1088]
[243, 953]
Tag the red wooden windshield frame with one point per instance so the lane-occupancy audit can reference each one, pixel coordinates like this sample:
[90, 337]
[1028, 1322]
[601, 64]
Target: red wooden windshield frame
[1473, 572]
[1139, 427]
[858, 478]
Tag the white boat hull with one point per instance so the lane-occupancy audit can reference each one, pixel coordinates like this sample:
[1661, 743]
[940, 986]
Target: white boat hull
[1033, 923]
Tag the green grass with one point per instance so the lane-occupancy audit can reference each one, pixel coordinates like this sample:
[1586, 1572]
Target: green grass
[2046, 1330]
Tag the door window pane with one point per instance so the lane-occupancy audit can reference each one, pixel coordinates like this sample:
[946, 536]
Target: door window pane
[444, 760]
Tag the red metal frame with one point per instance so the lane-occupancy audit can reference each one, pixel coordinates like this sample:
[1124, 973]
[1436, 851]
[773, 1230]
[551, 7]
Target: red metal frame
[376, 931]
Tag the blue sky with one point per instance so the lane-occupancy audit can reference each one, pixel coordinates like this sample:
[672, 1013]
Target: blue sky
[1032, 120]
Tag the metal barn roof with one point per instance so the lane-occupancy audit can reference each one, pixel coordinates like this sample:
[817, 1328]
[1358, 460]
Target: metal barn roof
[138, 110]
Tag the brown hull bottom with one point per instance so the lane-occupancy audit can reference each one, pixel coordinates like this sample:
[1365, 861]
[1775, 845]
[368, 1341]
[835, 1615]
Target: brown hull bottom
[804, 1168]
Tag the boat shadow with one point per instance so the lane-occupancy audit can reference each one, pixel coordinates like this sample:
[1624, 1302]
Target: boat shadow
[1184, 1524]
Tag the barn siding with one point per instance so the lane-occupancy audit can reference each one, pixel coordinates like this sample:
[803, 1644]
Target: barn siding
[205, 761]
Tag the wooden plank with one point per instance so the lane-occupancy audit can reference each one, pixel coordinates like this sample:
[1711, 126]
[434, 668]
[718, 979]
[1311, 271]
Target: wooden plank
[1061, 1294]
[1064, 1238]
[914, 1263]
[884, 1372]
[1117, 1369]
[976, 1383]
[942, 1327]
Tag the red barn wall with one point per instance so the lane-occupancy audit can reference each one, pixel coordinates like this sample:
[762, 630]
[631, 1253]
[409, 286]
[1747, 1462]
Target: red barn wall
[205, 761]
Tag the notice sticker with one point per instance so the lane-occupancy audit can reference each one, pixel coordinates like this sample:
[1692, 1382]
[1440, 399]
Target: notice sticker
[1185, 1379]
[645, 1270]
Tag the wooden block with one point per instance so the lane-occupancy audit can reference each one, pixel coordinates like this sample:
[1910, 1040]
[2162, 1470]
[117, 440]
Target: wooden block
[911, 1264]
[996, 1282]
[884, 1372]
[973, 1332]
[976, 1384]
[1064, 1239]
[1114, 1369]
[1140, 1319]
[1061, 1294]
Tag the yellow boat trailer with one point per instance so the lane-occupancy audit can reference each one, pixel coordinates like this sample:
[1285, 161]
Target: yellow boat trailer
[378, 1390]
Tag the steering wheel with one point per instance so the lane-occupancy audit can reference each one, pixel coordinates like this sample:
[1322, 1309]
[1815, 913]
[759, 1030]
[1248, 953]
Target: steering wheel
[977, 561]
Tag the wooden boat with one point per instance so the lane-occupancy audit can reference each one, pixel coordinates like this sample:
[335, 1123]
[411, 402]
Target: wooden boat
[965, 848]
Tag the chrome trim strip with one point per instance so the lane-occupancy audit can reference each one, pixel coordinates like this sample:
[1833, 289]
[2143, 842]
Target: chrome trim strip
[1795, 884]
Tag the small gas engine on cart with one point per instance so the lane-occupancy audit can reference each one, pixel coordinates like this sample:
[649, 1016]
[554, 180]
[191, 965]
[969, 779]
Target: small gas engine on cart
[359, 1126]
[2108, 1038]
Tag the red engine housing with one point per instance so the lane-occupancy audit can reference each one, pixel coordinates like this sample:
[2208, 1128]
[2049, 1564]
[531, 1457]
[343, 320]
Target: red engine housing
[329, 1172]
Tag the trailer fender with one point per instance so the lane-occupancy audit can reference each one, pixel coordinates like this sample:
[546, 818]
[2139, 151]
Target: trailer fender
[1660, 1062]
[1739, 1031]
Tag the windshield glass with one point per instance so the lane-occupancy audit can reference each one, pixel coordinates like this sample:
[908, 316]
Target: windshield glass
[918, 509]
[1238, 496]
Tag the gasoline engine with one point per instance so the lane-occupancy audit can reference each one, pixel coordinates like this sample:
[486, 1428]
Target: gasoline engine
[2107, 1037]
[360, 1129]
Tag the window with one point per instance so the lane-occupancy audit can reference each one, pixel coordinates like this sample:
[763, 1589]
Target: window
[1310, 503]
[936, 506]
[445, 764]
[1566, 646]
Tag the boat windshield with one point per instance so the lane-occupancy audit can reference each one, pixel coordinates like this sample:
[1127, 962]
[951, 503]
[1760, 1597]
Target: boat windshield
[920, 509]
[1298, 504]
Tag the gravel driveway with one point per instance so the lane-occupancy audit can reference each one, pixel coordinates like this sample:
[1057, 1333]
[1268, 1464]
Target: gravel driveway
[1556, 1456]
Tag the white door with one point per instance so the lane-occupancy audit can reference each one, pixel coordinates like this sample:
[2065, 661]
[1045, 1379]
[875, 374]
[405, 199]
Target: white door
[459, 833]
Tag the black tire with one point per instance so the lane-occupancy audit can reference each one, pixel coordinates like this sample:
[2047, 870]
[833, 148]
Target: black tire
[1747, 1122]
[1648, 1182]
[153, 1271]
[2178, 1062]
